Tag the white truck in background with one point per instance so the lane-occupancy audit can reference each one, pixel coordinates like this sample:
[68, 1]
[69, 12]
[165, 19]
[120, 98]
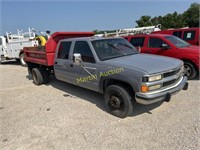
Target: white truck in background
[11, 45]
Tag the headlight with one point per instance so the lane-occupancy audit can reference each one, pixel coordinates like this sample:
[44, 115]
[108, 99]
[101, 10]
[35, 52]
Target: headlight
[155, 78]
[152, 78]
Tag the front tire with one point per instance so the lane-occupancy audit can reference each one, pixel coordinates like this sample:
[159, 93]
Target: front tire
[190, 70]
[118, 101]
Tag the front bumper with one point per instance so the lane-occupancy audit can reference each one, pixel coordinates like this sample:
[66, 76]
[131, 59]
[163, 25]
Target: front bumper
[149, 98]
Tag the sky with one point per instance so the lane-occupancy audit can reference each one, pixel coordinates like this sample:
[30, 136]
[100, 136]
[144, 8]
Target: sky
[81, 15]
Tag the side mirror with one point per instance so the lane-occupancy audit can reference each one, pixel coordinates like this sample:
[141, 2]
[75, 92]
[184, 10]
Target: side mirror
[165, 46]
[77, 59]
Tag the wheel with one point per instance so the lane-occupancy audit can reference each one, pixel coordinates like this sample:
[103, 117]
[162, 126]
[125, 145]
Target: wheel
[118, 101]
[46, 76]
[190, 70]
[22, 61]
[37, 76]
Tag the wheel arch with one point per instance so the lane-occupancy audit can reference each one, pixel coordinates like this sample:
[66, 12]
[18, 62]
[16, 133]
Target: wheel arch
[104, 83]
[186, 60]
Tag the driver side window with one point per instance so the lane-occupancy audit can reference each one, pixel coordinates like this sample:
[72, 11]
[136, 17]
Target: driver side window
[155, 43]
[83, 48]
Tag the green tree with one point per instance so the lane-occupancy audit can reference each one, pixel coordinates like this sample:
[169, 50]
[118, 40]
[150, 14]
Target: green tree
[96, 31]
[144, 21]
[191, 16]
[173, 20]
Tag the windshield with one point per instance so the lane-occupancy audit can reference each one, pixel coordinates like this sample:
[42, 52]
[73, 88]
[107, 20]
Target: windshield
[113, 48]
[177, 41]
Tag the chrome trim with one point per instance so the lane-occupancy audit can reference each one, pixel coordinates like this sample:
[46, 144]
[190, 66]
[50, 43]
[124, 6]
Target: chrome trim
[162, 80]
[177, 77]
[161, 95]
[165, 89]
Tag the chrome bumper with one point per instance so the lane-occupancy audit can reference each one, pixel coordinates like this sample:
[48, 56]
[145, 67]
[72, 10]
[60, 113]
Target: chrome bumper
[149, 98]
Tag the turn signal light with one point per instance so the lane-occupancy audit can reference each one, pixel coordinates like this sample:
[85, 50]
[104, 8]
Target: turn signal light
[144, 88]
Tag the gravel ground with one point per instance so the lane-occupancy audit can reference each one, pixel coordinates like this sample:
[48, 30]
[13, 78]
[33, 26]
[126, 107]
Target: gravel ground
[60, 116]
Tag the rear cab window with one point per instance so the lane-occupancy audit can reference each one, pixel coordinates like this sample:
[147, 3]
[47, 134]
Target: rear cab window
[63, 50]
[137, 41]
[189, 35]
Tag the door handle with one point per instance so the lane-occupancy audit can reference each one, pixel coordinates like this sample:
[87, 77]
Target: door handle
[56, 62]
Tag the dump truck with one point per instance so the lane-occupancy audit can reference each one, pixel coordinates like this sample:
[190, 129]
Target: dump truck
[110, 66]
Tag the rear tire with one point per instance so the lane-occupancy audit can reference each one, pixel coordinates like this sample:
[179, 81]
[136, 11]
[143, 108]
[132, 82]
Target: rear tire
[118, 101]
[22, 61]
[190, 70]
[37, 76]
[46, 76]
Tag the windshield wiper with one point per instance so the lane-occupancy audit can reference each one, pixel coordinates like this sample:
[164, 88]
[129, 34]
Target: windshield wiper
[116, 48]
[125, 45]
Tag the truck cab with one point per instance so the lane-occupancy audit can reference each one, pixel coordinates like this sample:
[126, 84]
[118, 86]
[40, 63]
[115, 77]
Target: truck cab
[171, 46]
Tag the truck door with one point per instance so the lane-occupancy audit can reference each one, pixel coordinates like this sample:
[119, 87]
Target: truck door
[154, 46]
[65, 69]
[85, 75]
[61, 64]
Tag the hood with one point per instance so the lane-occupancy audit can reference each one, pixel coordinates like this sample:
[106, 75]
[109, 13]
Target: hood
[149, 63]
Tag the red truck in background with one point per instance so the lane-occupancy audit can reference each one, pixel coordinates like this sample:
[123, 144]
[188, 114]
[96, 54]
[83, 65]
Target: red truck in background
[190, 35]
[171, 46]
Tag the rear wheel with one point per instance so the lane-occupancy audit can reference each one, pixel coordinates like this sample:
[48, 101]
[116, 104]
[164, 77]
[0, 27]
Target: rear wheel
[190, 70]
[118, 101]
[37, 76]
[46, 76]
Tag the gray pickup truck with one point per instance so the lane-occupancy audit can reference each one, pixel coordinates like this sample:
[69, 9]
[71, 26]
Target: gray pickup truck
[113, 67]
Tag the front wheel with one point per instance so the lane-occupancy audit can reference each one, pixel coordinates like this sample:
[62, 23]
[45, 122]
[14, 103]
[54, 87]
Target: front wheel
[118, 101]
[190, 70]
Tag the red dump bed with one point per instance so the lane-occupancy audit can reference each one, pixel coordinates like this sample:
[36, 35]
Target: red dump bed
[45, 55]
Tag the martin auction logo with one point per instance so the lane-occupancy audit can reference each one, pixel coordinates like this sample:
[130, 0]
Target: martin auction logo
[101, 74]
